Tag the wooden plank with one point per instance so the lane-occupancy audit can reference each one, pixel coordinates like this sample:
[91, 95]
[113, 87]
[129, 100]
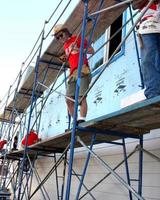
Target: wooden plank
[138, 111]
[123, 121]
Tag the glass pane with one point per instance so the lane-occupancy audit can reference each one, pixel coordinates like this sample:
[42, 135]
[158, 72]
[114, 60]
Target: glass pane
[97, 59]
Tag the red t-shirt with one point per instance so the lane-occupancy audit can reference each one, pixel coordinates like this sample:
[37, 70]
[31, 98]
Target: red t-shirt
[73, 53]
[2, 143]
[32, 138]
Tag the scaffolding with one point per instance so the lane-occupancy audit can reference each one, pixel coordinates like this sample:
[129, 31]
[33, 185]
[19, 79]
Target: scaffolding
[19, 167]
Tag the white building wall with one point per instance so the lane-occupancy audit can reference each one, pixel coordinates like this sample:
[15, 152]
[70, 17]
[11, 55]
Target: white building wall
[110, 188]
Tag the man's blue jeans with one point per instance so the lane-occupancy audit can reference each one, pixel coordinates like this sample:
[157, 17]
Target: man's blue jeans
[150, 64]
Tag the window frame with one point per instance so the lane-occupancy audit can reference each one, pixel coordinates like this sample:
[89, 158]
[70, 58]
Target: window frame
[106, 47]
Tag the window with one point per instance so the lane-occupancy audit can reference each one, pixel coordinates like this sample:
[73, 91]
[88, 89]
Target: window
[97, 59]
[116, 40]
[105, 53]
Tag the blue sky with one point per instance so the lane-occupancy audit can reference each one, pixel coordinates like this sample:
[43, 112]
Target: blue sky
[21, 22]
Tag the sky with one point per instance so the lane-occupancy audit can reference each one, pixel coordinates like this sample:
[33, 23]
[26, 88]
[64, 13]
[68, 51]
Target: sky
[21, 21]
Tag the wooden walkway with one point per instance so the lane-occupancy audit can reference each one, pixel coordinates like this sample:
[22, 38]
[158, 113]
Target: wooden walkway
[129, 122]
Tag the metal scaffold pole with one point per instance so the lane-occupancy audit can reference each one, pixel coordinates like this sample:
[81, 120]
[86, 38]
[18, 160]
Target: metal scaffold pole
[71, 157]
[4, 113]
[30, 115]
[136, 46]
[85, 167]
[137, 195]
[12, 121]
[127, 167]
[140, 165]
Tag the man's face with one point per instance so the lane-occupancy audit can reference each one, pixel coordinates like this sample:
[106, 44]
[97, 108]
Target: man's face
[61, 37]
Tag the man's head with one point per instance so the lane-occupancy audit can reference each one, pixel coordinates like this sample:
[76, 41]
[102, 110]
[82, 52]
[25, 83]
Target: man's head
[61, 33]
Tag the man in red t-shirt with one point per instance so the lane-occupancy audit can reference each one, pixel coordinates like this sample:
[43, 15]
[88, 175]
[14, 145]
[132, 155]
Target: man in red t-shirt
[2, 143]
[32, 138]
[71, 45]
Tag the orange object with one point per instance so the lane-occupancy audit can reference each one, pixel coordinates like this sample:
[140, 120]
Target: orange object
[2, 143]
[32, 138]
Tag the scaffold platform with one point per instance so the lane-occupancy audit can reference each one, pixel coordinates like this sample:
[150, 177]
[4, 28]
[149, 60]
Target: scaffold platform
[129, 122]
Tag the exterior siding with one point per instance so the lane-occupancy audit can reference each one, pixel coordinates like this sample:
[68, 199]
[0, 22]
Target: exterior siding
[110, 188]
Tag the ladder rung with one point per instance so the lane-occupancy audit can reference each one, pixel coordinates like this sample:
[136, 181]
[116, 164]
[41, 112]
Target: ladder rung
[77, 174]
[134, 179]
[60, 176]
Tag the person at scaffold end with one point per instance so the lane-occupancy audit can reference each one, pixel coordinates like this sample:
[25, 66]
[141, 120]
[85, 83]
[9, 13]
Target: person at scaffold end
[71, 44]
[149, 34]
